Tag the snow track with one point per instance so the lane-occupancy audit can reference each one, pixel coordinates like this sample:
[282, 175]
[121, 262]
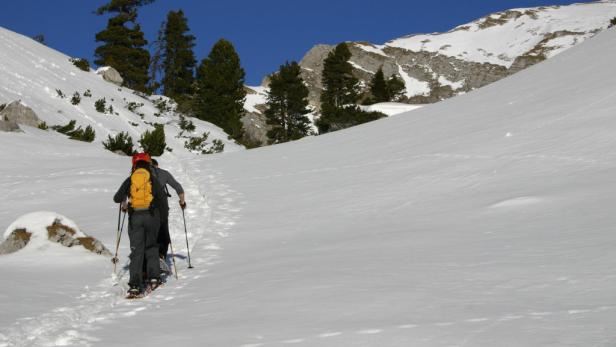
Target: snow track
[72, 323]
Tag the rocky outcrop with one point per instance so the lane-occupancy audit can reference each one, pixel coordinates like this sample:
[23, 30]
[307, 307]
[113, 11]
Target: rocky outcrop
[17, 113]
[436, 77]
[17, 240]
[7, 126]
[111, 75]
[254, 121]
[255, 129]
[56, 232]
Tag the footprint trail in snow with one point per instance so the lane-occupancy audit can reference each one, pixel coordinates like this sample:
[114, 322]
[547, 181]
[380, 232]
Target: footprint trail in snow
[69, 325]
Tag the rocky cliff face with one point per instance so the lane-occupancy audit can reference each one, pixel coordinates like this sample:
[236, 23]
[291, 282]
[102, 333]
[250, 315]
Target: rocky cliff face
[441, 65]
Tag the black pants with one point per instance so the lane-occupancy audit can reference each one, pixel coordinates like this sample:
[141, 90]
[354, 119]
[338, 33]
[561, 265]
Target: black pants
[163, 237]
[143, 234]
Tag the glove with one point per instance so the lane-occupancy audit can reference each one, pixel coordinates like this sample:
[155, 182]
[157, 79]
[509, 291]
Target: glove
[124, 207]
[183, 205]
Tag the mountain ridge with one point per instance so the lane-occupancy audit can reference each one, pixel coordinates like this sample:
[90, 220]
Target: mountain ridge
[441, 65]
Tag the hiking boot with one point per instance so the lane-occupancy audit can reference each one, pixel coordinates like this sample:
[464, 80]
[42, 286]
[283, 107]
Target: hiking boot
[154, 283]
[133, 292]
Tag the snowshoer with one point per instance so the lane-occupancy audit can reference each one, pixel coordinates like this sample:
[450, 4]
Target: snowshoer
[146, 196]
[165, 178]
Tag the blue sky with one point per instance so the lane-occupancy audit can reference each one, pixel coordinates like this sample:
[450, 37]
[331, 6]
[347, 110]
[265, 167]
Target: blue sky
[265, 32]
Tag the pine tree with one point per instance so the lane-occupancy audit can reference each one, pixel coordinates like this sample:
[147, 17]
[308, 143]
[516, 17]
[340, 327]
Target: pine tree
[153, 142]
[287, 105]
[121, 142]
[340, 87]
[123, 43]
[221, 95]
[379, 87]
[396, 88]
[179, 60]
[156, 61]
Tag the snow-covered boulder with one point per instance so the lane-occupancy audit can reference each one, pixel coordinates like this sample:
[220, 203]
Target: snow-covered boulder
[19, 113]
[111, 75]
[35, 230]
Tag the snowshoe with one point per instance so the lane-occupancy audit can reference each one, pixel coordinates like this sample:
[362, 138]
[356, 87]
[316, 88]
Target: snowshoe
[134, 293]
[152, 284]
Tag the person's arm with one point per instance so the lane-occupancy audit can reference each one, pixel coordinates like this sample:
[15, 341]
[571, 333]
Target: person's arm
[174, 184]
[177, 187]
[122, 194]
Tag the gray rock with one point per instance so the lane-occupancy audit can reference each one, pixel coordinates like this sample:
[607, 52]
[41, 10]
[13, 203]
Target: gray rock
[19, 113]
[17, 240]
[255, 129]
[111, 75]
[9, 126]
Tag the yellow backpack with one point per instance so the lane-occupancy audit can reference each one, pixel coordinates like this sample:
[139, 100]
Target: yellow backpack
[141, 189]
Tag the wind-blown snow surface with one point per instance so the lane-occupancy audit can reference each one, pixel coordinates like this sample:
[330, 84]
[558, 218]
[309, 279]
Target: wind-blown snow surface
[484, 220]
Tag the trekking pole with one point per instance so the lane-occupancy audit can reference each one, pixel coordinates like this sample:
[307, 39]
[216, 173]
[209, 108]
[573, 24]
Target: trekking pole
[186, 233]
[175, 269]
[115, 259]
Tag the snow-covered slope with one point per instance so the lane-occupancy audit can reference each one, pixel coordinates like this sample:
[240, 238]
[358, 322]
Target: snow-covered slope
[502, 37]
[484, 220]
[35, 74]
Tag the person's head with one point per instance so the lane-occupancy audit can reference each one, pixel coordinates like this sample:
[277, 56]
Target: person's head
[142, 164]
[141, 160]
[154, 163]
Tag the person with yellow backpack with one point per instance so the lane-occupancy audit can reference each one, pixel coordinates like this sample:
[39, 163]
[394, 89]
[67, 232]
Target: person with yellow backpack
[142, 195]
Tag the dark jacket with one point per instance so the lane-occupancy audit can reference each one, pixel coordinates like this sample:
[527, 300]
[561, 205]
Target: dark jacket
[160, 198]
[164, 178]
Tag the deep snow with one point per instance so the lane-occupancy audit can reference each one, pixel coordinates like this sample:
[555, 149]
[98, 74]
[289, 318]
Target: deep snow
[483, 220]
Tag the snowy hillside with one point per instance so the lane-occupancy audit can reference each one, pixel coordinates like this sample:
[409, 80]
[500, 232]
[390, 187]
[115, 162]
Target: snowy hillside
[502, 37]
[483, 220]
[36, 75]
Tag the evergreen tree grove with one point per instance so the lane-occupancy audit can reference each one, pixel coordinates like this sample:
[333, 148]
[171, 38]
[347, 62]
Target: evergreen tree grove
[178, 57]
[340, 94]
[287, 105]
[383, 90]
[220, 96]
[123, 43]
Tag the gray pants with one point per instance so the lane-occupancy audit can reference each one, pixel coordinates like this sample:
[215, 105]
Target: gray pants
[143, 233]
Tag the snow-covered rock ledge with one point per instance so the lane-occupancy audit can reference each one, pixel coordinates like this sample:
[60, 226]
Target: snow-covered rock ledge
[35, 230]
